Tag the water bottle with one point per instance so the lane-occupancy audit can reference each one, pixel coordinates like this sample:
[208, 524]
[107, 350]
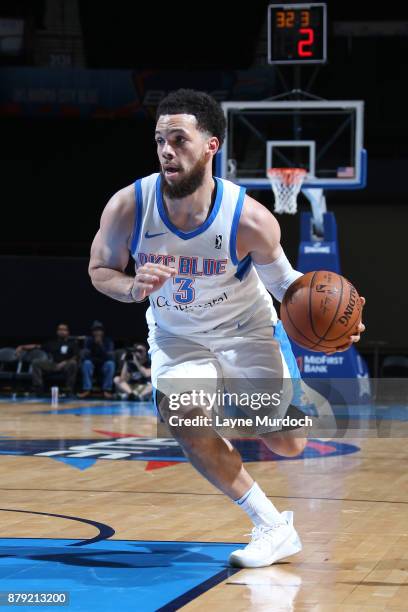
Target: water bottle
[54, 396]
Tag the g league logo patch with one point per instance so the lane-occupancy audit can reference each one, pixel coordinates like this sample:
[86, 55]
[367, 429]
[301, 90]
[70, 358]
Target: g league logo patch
[218, 241]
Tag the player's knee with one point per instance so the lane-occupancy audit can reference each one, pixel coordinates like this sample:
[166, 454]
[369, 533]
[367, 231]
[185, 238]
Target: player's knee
[291, 447]
[196, 446]
[287, 446]
[193, 445]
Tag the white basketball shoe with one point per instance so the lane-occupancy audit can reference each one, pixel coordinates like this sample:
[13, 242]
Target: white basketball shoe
[268, 544]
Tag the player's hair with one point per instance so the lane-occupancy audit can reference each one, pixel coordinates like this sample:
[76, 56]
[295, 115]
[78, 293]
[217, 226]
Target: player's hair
[207, 111]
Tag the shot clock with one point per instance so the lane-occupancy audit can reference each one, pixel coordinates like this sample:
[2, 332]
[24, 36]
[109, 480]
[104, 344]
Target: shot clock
[297, 33]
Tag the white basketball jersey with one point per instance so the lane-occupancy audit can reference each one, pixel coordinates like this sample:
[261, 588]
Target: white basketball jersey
[211, 286]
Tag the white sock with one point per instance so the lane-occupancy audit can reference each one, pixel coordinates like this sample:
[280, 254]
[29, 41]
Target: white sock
[258, 507]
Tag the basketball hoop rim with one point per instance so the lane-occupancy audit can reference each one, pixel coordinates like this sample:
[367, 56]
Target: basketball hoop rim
[288, 175]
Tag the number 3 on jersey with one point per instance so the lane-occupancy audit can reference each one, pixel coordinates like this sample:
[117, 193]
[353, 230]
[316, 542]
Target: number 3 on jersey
[185, 293]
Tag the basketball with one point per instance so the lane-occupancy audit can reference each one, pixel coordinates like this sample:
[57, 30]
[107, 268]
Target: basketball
[321, 310]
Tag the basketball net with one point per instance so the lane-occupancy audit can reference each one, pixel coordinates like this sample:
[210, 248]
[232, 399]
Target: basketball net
[286, 184]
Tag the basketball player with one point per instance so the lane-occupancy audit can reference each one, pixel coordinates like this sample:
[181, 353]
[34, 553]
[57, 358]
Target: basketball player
[207, 255]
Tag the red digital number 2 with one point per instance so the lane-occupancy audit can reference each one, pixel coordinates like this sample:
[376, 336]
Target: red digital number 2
[302, 44]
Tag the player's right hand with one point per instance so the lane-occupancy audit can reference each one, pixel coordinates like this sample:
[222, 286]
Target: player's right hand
[150, 277]
[354, 338]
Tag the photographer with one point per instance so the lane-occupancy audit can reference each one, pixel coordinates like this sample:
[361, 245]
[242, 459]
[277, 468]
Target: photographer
[134, 381]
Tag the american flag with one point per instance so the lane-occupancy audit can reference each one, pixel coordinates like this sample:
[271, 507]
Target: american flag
[345, 172]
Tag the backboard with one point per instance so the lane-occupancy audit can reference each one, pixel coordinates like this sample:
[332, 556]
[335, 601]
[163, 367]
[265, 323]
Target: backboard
[323, 137]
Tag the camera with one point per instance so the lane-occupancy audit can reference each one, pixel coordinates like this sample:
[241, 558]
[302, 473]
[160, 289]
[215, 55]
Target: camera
[130, 352]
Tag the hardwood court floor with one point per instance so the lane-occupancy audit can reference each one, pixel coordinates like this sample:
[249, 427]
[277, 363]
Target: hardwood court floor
[350, 499]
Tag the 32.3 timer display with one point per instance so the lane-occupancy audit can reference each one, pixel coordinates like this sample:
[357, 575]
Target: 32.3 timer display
[296, 33]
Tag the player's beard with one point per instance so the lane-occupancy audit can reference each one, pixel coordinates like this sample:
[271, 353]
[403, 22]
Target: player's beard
[188, 184]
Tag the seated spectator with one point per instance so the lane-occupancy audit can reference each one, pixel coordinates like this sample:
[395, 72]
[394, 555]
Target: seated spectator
[134, 381]
[62, 356]
[98, 356]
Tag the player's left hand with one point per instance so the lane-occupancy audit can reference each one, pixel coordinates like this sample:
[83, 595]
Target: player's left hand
[354, 338]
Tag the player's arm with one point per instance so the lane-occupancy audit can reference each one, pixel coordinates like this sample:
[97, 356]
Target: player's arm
[259, 236]
[110, 254]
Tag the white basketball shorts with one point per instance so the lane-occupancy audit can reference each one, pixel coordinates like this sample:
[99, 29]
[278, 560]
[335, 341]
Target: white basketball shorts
[248, 358]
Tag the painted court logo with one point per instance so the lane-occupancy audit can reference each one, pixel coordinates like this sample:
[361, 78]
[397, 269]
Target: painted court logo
[156, 452]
